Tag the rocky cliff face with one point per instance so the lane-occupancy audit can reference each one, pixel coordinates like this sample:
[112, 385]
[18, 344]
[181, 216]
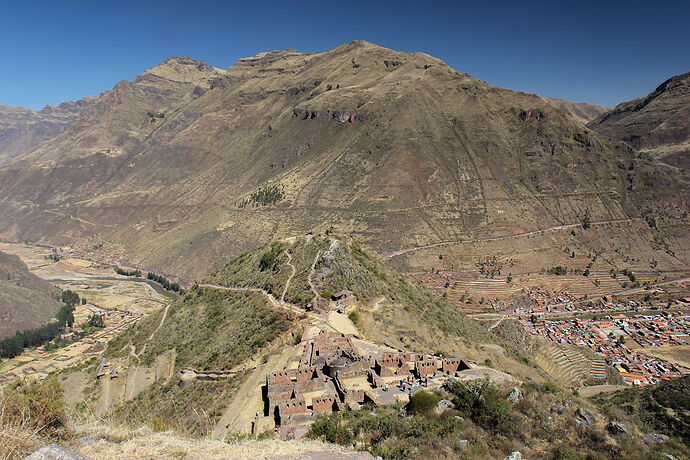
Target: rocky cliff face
[403, 151]
[22, 129]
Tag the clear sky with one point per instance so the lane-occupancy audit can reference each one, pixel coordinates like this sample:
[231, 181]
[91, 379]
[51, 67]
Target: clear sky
[602, 52]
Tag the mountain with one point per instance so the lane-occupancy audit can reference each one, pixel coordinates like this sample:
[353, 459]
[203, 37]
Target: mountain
[317, 329]
[26, 301]
[188, 165]
[658, 125]
[660, 119]
[22, 129]
[580, 111]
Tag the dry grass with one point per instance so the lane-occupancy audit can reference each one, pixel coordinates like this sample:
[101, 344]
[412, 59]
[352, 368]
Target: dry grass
[111, 442]
[32, 414]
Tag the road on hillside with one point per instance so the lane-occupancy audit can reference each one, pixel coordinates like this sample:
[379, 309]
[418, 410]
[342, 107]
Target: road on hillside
[505, 237]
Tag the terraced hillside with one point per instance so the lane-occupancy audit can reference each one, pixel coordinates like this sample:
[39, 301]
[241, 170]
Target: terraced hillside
[189, 165]
[571, 366]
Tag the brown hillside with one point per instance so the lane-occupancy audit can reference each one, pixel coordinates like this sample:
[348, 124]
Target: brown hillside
[188, 165]
[26, 301]
[580, 111]
[22, 129]
[658, 125]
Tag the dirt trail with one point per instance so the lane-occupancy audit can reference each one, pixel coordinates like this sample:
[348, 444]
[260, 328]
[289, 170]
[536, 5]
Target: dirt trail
[287, 283]
[310, 275]
[131, 347]
[271, 298]
[239, 414]
[505, 237]
[81, 221]
[497, 322]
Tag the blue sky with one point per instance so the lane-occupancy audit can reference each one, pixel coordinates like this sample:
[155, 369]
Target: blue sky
[602, 52]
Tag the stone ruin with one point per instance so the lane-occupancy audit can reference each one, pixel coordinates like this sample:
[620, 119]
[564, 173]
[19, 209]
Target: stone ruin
[331, 375]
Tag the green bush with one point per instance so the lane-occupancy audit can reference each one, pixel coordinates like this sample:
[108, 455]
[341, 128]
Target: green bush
[355, 317]
[481, 402]
[422, 403]
[331, 429]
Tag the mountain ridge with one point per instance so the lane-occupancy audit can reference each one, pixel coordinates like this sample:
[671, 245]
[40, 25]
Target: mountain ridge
[395, 147]
[22, 129]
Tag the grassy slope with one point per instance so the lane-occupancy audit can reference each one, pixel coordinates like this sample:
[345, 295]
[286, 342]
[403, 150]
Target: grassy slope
[209, 329]
[663, 408]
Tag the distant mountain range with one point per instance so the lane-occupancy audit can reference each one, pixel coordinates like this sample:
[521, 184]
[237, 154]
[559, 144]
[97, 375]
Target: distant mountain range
[188, 164]
[22, 129]
[580, 111]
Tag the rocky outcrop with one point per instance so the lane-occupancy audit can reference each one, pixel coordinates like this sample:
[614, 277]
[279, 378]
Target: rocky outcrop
[617, 429]
[654, 438]
[340, 116]
[55, 452]
[515, 396]
[585, 417]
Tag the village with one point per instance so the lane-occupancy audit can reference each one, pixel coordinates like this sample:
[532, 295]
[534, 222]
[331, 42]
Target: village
[78, 347]
[633, 340]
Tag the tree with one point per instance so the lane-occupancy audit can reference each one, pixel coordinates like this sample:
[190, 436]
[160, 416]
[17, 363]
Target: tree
[97, 321]
[586, 220]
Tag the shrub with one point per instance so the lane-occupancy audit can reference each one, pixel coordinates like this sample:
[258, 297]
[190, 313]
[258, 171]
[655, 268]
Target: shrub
[481, 401]
[355, 317]
[422, 403]
[331, 429]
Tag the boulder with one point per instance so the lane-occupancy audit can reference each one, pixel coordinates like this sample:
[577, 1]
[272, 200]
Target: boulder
[654, 438]
[584, 417]
[617, 429]
[462, 444]
[515, 395]
[443, 405]
[55, 452]
[515, 456]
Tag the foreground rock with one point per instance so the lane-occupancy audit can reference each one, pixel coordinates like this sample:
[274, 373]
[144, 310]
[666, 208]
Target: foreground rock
[55, 452]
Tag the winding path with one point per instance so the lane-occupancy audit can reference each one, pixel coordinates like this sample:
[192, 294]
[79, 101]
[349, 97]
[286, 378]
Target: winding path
[271, 298]
[505, 237]
[309, 277]
[131, 347]
[287, 283]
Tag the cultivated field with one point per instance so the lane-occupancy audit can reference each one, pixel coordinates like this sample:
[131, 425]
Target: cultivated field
[125, 301]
